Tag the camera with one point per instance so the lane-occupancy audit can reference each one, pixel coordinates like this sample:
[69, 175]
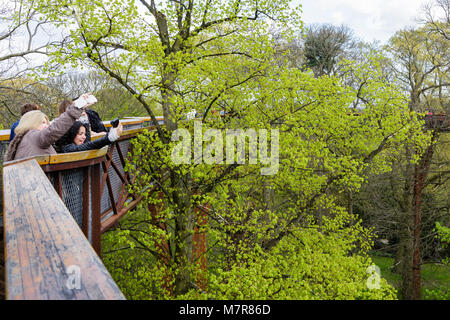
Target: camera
[114, 123]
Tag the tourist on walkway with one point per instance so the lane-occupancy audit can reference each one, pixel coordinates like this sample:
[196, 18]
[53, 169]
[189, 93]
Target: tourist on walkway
[36, 136]
[75, 139]
[25, 108]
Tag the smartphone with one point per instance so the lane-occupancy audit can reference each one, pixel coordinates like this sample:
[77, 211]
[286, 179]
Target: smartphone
[115, 123]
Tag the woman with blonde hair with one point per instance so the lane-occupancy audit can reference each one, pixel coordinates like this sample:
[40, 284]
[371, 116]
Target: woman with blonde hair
[35, 135]
[25, 108]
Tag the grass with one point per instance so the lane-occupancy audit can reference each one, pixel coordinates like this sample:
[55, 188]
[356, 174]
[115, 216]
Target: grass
[433, 276]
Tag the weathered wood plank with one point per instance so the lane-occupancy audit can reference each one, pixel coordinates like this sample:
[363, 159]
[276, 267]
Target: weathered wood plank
[44, 243]
[63, 157]
[77, 156]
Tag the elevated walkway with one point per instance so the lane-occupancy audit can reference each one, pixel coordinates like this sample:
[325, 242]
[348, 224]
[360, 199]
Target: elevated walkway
[55, 209]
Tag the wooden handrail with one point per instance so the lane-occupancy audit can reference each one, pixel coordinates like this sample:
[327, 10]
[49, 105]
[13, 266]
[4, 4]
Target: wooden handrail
[47, 255]
[4, 134]
[62, 157]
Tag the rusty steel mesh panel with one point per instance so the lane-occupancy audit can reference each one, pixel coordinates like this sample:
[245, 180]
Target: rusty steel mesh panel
[116, 182]
[105, 203]
[72, 193]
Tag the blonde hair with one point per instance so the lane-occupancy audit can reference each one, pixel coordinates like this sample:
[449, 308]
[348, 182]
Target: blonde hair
[30, 120]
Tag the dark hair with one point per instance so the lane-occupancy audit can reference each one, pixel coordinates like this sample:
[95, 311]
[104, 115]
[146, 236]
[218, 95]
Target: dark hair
[63, 106]
[68, 137]
[28, 107]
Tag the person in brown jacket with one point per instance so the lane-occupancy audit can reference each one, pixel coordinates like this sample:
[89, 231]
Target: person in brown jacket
[35, 135]
[25, 108]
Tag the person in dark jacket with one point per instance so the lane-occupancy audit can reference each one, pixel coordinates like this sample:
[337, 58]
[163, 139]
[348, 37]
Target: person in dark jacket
[95, 121]
[75, 139]
[84, 119]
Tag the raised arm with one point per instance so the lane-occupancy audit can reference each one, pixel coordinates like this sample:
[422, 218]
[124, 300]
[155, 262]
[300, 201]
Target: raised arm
[109, 138]
[58, 127]
[62, 124]
[96, 144]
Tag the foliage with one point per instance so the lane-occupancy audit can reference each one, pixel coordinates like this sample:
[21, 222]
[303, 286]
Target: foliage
[435, 277]
[310, 263]
[326, 262]
[216, 56]
[325, 45]
[444, 236]
[246, 227]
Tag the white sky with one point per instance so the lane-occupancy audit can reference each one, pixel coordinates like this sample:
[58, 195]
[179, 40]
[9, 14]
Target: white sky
[369, 19]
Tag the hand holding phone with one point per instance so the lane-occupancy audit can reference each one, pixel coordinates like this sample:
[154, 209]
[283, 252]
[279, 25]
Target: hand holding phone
[114, 123]
[85, 100]
[119, 129]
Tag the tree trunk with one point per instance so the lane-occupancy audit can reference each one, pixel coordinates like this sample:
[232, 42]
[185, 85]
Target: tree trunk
[409, 249]
[184, 229]
[350, 201]
[406, 246]
[162, 245]
[421, 171]
[200, 245]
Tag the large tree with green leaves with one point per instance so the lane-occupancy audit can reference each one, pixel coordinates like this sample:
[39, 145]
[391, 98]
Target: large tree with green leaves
[220, 56]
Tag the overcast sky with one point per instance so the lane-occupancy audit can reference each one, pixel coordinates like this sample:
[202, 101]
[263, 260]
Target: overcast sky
[369, 19]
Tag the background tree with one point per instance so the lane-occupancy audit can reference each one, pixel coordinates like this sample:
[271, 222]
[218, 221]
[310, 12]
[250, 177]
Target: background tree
[113, 100]
[421, 63]
[325, 45]
[436, 16]
[25, 38]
